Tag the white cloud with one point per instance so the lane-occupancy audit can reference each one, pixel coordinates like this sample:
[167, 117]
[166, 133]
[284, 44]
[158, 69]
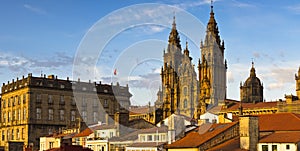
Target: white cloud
[192, 4]
[230, 77]
[256, 54]
[242, 4]
[16, 63]
[34, 9]
[294, 8]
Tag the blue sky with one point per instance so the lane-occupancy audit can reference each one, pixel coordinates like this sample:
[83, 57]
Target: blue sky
[44, 36]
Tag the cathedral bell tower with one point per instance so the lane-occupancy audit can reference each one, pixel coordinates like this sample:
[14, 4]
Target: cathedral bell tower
[169, 73]
[212, 69]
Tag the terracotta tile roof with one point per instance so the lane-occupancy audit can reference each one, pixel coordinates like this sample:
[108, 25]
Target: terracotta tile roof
[195, 139]
[84, 133]
[128, 137]
[279, 122]
[230, 145]
[140, 110]
[282, 137]
[259, 105]
[161, 129]
[147, 144]
[104, 127]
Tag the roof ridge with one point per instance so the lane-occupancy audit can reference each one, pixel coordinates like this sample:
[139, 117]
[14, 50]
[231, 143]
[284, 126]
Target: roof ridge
[295, 115]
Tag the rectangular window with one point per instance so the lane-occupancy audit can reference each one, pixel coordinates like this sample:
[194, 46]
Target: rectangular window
[84, 116]
[38, 98]
[23, 132]
[83, 102]
[62, 115]
[111, 134]
[95, 117]
[156, 137]
[12, 135]
[50, 100]
[8, 102]
[51, 144]
[18, 134]
[19, 114]
[24, 98]
[73, 101]
[3, 135]
[50, 114]
[163, 137]
[13, 115]
[149, 138]
[19, 99]
[24, 114]
[274, 147]
[287, 147]
[8, 135]
[9, 117]
[38, 113]
[142, 138]
[73, 114]
[3, 103]
[4, 117]
[105, 103]
[14, 101]
[62, 100]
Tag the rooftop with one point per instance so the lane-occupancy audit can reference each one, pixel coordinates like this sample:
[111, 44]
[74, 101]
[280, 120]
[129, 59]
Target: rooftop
[84, 133]
[281, 137]
[279, 122]
[232, 145]
[260, 105]
[205, 132]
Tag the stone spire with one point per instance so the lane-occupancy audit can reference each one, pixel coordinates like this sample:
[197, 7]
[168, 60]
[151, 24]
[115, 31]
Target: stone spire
[174, 38]
[213, 30]
[212, 26]
[186, 50]
[252, 71]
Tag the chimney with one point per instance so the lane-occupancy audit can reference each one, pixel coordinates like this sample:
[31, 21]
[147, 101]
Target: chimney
[171, 129]
[117, 118]
[249, 132]
[106, 119]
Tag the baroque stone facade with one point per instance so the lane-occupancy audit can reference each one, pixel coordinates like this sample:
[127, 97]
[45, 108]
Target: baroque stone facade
[181, 91]
[32, 107]
[252, 90]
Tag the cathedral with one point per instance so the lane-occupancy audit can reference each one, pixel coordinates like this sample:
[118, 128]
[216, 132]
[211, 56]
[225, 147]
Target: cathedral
[182, 91]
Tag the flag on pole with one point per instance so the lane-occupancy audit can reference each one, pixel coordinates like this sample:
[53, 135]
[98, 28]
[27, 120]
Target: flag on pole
[115, 72]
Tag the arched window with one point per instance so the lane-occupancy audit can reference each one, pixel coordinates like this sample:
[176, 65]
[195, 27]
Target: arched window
[185, 103]
[185, 91]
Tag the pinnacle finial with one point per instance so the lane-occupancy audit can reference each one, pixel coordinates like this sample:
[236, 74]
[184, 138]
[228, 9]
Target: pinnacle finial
[174, 21]
[252, 71]
[186, 44]
[211, 5]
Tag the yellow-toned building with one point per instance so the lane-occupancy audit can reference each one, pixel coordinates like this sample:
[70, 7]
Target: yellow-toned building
[232, 109]
[142, 112]
[32, 107]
